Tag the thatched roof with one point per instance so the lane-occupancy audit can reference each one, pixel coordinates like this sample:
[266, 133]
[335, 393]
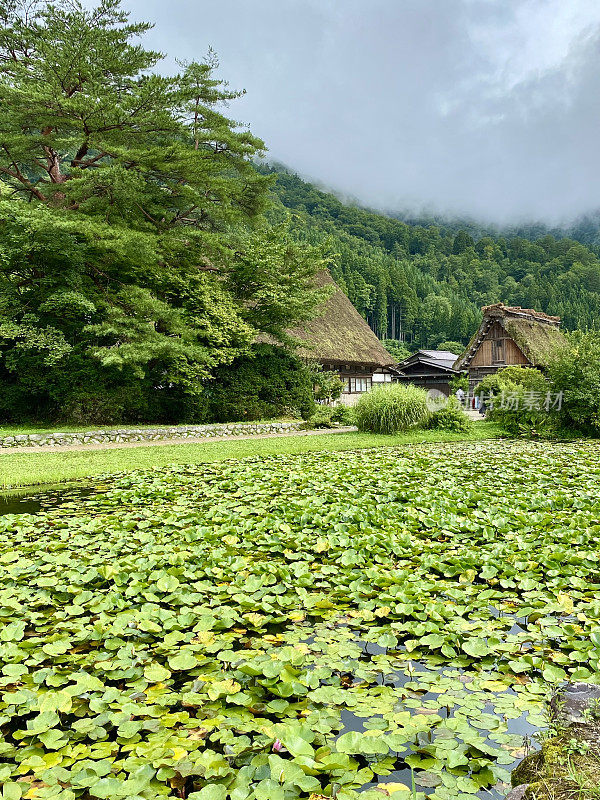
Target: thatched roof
[339, 335]
[535, 333]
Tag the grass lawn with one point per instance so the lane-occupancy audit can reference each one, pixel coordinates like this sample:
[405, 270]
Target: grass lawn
[29, 469]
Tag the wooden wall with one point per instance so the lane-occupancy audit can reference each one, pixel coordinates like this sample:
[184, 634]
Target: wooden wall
[484, 357]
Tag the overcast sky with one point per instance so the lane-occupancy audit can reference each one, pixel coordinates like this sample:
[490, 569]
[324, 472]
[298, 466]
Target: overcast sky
[485, 107]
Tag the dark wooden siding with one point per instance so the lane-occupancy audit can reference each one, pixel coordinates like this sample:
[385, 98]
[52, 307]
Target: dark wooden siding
[498, 350]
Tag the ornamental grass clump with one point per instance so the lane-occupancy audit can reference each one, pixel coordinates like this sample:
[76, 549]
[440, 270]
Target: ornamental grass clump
[392, 408]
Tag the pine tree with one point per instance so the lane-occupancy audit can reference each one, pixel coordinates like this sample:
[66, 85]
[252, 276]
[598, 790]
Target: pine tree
[131, 213]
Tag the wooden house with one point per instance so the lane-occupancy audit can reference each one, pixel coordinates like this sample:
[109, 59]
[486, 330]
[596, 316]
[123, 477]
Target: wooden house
[342, 341]
[509, 335]
[430, 369]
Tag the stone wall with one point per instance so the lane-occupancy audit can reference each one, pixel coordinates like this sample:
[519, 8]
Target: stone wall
[175, 432]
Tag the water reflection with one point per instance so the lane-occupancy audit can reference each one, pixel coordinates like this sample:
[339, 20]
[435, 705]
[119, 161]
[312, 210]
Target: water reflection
[41, 499]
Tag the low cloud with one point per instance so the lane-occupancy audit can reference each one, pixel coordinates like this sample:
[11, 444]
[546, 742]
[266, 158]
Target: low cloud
[482, 107]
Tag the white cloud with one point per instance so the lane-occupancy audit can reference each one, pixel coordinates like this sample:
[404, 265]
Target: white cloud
[488, 107]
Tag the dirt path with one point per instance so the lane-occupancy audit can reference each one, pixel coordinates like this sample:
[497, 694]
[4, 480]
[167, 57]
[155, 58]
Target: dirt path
[9, 451]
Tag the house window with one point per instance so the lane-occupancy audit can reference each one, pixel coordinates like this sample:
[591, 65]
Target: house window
[498, 351]
[356, 385]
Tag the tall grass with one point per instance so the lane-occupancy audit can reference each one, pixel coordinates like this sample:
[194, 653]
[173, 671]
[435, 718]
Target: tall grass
[392, 408]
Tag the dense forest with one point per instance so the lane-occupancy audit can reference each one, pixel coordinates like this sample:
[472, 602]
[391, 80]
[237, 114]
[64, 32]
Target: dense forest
[425, 284]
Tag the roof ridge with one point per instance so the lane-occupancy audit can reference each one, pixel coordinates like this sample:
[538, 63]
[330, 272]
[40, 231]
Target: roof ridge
[501, 310]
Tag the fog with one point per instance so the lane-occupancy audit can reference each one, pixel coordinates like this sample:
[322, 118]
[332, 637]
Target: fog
[483, 107]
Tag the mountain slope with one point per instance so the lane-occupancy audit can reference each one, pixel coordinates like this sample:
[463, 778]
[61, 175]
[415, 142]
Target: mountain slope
[426, 284]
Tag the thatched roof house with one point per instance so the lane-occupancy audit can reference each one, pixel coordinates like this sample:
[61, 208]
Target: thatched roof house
[342, 341]
[510, 335]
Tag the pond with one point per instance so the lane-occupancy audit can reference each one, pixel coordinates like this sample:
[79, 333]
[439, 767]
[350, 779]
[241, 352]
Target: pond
[385, 623]
[42, 498]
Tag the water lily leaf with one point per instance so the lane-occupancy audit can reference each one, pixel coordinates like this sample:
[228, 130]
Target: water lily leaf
[554, 674]
[213, 791]
[290, 622]
[476, 648]
[223, 688]
[184, 660]
[156, 673]
[11, 791]
[456, 758]
[298, 746]
[13, 632]
[395, 790]
[427, 779]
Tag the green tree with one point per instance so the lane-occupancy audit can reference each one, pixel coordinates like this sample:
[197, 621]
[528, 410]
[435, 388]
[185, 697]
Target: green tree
[575, 372]
[462, 242]
[86, 126]
[131, 220]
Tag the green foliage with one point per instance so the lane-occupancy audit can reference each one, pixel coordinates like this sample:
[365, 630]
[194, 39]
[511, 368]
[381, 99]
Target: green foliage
[451, 417]
[527, 377]
[321, 418]
[392, 408]
[575, 371]
[269, 383]
[451, 347]
[211, 629]
[459, 382]
[342, 414]
[330, 417]
[141, 261]
[397, 349]
[516, 398]
[327, 385]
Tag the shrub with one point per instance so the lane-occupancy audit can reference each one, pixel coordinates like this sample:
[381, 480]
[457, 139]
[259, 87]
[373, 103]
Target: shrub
[269, 383]
[515, 398]
[451, 417]
[392, 408]
[575, 371]
[527, 377]
[343, 415]
[459, 382]
[329, 417]
[327, 385]
[322, 418]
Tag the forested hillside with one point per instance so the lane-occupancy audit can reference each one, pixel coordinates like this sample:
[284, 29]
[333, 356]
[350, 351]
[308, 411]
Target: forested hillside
[426, 284]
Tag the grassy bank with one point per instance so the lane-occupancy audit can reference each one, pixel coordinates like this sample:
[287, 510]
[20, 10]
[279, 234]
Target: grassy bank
[29, 469]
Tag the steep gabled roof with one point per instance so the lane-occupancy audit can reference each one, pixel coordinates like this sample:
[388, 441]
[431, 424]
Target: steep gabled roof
[535, 333]
[339, 335]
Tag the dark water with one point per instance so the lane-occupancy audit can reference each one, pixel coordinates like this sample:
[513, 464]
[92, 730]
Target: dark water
[403, 772]
[42, 498]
